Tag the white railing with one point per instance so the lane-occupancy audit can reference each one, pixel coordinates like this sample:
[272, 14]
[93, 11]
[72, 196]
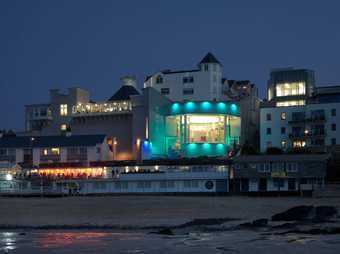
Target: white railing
[102, 108]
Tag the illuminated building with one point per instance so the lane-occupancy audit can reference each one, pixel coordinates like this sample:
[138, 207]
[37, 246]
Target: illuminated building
[298, 114]
[48, 150]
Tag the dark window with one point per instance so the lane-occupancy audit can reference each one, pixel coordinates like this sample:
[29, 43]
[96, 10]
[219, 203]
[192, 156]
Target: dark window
[191, 79]
[291, 184]
[269, 117]
[185, 80]
[333, 141]
[318, 142]
[159, 80]
[333, 127]
[298, 116]
[333, 111]
[269, 131]
[283, 130]
[206, 67]
[263, 184]
[318, 114]
[187, 91]
[165, 90]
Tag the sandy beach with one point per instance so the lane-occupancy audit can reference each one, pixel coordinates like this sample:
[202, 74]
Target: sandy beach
[142, 211]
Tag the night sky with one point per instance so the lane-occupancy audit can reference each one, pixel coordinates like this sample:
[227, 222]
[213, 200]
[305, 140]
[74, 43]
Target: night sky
[91, 44]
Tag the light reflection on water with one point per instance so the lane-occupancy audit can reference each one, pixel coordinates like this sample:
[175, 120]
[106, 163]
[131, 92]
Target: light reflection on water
[103, 242]
[64, 239]
[7, 241]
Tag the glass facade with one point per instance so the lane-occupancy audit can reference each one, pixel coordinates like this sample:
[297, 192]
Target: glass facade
[289, 89]
[201, 129]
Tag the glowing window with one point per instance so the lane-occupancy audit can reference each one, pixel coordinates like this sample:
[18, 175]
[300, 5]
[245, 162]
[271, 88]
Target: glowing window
[205, 129]
[283, 115]
[299, 144]
[63, 127]
[55, 151]
[291, 103]
[63, 109]
[290, 89]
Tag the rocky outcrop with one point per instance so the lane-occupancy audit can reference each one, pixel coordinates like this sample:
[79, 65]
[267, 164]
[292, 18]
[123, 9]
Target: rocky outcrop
[303, 213]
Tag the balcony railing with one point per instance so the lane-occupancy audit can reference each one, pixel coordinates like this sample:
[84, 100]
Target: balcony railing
[88, 109]
[50, 157]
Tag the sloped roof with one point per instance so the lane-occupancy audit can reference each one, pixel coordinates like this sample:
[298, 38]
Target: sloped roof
[124, 93]
[209, 58]
[51, 141]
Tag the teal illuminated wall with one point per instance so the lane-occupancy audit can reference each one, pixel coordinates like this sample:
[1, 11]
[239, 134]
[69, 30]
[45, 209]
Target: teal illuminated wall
[204, 107]
[231, 135]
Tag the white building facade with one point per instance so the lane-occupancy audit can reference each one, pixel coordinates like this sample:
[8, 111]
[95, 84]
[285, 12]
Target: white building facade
[297, 119]
[203, 83]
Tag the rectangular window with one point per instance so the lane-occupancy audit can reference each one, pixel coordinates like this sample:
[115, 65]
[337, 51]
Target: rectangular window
[318, 114]
[165, 90]
[55, 151]
[283, 116]
[159, 80]
[269, 117]
[63, 127]
[333, 141]
[63, 109]
[298, 116]
[185, 80]
[333, 127]
[290, 89]
[333, 112]
[269, 144]
[188, 91]
[299, 143]
[291, 103]
[283, 130]
[206, 67]
[283, 144]
[205, 129]
[269, 131]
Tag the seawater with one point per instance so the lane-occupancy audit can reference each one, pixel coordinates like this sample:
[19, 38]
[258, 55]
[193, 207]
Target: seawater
[60, 241]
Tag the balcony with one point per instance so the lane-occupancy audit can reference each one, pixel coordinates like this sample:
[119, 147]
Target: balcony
[298, 135]
[9, 158]
[94, 109]
[50, 158]
[316, 119]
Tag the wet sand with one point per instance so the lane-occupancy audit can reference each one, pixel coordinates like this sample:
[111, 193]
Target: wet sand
[142, 211]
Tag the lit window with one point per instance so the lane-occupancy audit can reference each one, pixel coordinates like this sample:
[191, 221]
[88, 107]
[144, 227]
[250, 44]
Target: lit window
[289, 89]
[205, 129]
[283, 116]
[55, 151]
[63, 109]
[291, 103]
[63, 127]
[45, 152]
[299, 144]
[283, 144]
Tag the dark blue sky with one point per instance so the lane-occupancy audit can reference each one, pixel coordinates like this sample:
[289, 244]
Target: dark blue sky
[59, 44]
